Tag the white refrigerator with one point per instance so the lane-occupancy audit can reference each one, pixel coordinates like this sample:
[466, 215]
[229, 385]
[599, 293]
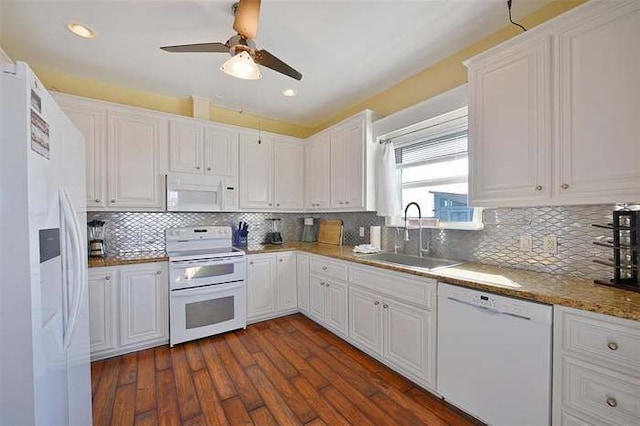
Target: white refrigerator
[44, 320]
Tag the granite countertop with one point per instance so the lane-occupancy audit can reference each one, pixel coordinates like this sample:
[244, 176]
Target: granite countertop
[555, 289]
[128, 259]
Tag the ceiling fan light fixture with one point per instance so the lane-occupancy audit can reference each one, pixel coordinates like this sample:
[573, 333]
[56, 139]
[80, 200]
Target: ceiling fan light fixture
[242, 66]
[289, 92]
[81, 30]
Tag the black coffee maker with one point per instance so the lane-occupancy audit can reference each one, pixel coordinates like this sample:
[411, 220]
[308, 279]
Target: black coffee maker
[275, 236]
[95, 232]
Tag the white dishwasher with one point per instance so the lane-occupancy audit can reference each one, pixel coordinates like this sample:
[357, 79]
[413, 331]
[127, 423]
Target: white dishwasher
[494, 356]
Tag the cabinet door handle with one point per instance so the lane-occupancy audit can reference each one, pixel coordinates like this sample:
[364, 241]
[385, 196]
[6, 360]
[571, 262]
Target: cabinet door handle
[346, 202]
[322, 283]
[251, 263]
[611, 402]
[209, 168]
[113, 201]
[281, 260]
[278, 205]
[376, 303]
[613, 346]
[564, 186]
[158, 272]
[538, 187]
[327, 285]
[270, 204]
[324, 268]
[197, 167]
[385, 306]
[97, 200]
[107, 278]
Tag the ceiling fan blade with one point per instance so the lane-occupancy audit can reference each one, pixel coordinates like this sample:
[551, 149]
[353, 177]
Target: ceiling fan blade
[266, 59]
[198, 48]
[246, 21]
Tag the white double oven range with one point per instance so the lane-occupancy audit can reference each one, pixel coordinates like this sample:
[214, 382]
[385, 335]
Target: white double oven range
[208, 293]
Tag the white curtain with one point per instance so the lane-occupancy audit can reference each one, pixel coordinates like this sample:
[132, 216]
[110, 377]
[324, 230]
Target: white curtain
[387, 188]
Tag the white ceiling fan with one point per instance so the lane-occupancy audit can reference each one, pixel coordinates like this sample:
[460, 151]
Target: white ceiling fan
[244, 55]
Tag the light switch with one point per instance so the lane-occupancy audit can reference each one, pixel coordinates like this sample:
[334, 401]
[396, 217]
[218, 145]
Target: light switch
[526, 243]
[362, 231]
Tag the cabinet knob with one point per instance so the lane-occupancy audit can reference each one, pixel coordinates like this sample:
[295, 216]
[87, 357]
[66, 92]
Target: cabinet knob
[209, 168]
[270, 204]
[340, 202]
[324, 268]
[322, 283]
[376, 303]
[611, 402]
[613, 346]
[346, 202]
[158, 272]
[281, 260]
[278, 205]
[197, 167]
[251, 263]
[564, 186]
[538, 187]
[327, 285]
[107, 278]
[97, 200]
[385, 306]
[113, 201]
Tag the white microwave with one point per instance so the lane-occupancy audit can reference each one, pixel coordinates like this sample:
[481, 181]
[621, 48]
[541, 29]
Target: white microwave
[198, 193]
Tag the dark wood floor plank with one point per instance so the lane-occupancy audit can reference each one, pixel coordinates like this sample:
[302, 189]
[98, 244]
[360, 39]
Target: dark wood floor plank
[186, 392]
[273, 400]
[344, 406]
[168, 410]
[123, 409]
[299, 363]
[239, 350]
[105, 394]
[319, 404]
[96, 374]
[399, 414]
[195, 421]
[247, 341]
[162, 357]
[146, 383]
[285, 324]
[293, 340]
[221, 380]
[263, 417]
[128, 369]
[277, 358]
[247, 392]
[308, 328]
[421, 412]
[316, 422]
[298, 405]
[194, 356]
[209, 400]
[149, 418]
[236, 413]
[441, 408]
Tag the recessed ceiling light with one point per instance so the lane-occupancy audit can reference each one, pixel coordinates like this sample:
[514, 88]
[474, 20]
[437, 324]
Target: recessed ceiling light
[289, 92]
[81, 30]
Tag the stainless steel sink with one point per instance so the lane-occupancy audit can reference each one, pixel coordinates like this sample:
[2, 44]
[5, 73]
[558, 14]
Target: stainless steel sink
[428, 263]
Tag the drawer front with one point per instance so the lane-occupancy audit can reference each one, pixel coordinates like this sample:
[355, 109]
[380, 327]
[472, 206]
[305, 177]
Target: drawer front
[329, 268]
[569, 419]
[600, 392]
[606, 339]
[419, 291]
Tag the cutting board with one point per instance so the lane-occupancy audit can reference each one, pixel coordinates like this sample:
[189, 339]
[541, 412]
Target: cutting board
[330, 231]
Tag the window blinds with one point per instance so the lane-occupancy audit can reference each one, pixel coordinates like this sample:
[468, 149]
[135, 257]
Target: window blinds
[429, 150]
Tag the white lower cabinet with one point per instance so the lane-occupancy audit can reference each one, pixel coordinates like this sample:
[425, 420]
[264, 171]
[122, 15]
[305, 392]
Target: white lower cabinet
[328, 303]
[128, 308]
[271, 285]
[144, 300]
[596, 369]
[103, 309]
[401, 335]
[302, 281]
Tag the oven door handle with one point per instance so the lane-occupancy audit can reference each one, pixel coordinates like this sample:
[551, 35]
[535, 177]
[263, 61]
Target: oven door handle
[212, 289]
[188, 263]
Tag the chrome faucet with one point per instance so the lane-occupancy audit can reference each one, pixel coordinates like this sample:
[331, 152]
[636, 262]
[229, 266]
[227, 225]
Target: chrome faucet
[406, 230]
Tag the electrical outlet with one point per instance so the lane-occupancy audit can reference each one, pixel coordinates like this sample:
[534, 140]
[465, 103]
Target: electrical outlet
[526, 243]
[362, 231]
[550, 244]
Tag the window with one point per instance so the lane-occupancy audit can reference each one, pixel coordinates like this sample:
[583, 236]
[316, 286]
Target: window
[433, 163]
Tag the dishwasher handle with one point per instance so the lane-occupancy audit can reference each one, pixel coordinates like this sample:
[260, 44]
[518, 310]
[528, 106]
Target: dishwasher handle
[488, 309]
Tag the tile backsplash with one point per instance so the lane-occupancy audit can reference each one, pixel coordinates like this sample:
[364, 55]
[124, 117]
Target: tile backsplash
[497, 244]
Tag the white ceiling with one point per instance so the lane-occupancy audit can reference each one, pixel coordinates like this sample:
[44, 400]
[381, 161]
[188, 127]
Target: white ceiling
[346, 50]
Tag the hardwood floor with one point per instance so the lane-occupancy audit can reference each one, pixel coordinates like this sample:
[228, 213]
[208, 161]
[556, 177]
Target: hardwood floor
[284, 371]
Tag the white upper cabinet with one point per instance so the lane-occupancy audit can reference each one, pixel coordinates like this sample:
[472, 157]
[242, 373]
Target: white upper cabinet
[90, 119]
[271, 173]
[220, 151]
[134, 145]
[510, 133]
[185, 147]
[599, 107]
[554, 112]
[289, 175]
[318, 172]
[348, 181]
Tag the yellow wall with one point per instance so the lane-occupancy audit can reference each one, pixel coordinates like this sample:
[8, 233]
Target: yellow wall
[123, 95]
[432, 81]
[448, 73]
